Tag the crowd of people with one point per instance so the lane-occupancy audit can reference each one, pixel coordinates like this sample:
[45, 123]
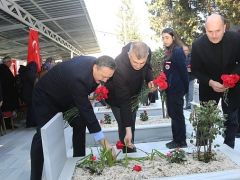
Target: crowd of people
[70, 83]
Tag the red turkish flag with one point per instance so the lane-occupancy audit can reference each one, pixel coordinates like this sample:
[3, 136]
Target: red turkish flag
[33, 49]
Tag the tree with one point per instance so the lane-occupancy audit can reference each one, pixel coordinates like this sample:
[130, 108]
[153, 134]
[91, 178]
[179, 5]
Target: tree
[128, 30]
[179, 15]
[230, 10]
[187, 17]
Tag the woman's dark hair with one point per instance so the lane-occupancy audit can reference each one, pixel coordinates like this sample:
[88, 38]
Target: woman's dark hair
[171, 32]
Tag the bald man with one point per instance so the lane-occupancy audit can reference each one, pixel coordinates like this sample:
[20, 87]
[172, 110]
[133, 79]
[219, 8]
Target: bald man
[215, 53]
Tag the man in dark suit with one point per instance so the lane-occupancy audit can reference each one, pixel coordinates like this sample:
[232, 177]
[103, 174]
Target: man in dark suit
[66, 85]
[215, 53]
[133, 68]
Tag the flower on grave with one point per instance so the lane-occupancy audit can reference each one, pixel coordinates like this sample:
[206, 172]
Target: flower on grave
[107, 118]
[144, 116]
[137, 168]
[119, 145]
[93, 158]
[101, 93]
[229, 81]
[176, 156]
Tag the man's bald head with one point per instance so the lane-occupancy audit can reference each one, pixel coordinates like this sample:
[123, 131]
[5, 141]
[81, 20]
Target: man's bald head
[215, 28]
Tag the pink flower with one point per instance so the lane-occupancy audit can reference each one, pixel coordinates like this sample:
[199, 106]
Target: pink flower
[169, 154]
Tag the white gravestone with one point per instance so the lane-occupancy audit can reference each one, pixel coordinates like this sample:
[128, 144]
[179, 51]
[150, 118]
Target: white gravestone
[56, 164]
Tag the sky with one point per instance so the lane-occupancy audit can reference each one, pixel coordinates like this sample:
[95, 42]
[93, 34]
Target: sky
[103, 14]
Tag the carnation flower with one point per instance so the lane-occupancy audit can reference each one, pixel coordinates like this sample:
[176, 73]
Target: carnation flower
[137, 168]
[229, 81]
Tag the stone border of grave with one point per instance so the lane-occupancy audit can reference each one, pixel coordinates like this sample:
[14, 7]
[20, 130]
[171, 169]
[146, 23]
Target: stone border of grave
[58, 166]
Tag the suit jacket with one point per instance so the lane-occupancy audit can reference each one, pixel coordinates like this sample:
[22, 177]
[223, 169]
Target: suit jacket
[66, 85]
[126, 83]
[210, 61]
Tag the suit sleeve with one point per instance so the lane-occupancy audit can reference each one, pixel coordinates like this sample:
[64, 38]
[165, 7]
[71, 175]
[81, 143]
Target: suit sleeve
[80, 97]
[196, 65]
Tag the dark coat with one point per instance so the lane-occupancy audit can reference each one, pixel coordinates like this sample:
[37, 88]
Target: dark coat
[126, 84]
[176, 72]
[210, 61]
[66, 85]
[9, 91]
[29, 76]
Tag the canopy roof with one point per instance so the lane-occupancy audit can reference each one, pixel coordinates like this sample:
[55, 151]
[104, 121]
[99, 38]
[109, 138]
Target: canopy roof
[64, 26]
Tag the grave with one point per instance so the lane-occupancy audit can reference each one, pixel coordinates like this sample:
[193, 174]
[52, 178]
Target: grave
[56, 163]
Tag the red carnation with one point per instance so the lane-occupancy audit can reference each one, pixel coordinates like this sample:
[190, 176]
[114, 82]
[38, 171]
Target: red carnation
[101, 93]
[119, 145]
[93, 158]
[137, 168]
[230, 80]
[161, 81]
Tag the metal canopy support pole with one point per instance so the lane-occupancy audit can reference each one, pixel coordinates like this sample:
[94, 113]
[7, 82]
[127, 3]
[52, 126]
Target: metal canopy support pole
[22, 15]
[71, 54]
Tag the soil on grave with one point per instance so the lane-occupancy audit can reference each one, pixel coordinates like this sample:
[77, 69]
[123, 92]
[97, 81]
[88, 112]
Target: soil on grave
[158, 168]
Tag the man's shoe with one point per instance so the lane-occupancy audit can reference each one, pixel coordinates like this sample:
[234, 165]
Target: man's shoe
[238, 135]
[187, 107]
[173, 145]
[129, 150]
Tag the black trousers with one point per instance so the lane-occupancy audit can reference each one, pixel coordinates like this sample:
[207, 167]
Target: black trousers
[231, 112]
[36, 157]
[121, 128]
[175, 111]
[231, 124]
[79, 136]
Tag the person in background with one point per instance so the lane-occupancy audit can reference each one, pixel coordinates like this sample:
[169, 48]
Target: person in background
[9, 90]
[215, 53]
[29, 77]
[189, 95]
[66, 85]
[46, 66]
[133, 69]
[177, 78]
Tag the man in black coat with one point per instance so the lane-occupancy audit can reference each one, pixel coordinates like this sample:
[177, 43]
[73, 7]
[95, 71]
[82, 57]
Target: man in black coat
[9, 91]
[66, 85]
[133, 68]
[213, 54]
[29, 79]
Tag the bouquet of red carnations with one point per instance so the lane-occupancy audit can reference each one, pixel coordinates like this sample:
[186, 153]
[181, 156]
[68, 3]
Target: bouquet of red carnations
[101, 93]
[160, 81]
[229, 81]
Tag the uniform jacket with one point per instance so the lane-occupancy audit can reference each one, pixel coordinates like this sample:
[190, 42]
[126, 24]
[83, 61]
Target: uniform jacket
[176, 72]
[210, 61]
[66, 85]
[126, 83]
